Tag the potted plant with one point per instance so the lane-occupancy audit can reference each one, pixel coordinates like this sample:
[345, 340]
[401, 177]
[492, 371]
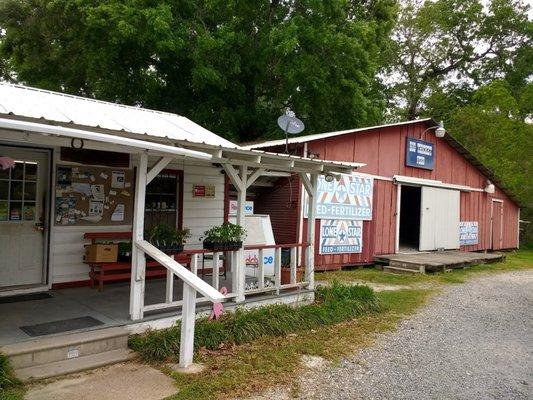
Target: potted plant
[286, 274]
[167, 239]
[227, 236]
[124, 251]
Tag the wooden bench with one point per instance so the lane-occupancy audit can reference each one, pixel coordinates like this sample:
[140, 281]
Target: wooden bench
[120, 270]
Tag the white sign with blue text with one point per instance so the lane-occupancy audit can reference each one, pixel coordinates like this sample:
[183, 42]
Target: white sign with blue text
[349, 197]
[340, 236]
[468, 233]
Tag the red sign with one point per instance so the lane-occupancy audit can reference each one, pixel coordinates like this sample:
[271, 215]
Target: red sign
[198, 191]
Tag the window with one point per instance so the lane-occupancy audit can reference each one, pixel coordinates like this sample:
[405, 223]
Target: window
[163, 194]
[18, 192]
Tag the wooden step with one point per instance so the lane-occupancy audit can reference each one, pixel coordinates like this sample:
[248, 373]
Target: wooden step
[62, 354]
[73, 365]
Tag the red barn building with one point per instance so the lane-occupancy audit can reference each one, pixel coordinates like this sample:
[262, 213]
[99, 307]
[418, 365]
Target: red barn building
[426, 193]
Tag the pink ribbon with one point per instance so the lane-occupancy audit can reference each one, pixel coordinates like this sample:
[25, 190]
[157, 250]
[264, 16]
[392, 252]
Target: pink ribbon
[218, 308]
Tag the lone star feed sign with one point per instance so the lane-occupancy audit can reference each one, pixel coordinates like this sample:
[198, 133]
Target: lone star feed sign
[340, 236]
[348, 198]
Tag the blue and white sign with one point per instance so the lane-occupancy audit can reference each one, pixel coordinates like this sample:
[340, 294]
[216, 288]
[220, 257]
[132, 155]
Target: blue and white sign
[468, 233]
[340, 236]
[419, 154]
[350, 197]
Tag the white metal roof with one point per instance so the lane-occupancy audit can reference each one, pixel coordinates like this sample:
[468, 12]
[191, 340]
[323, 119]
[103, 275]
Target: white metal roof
[317, 136]
[67, 109]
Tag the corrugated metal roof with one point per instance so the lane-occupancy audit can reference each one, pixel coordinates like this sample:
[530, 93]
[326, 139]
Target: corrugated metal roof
[67, 109]
[317, 136]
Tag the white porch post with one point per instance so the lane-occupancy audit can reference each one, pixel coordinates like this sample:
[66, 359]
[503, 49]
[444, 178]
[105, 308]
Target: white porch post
[188, 319]
[240, 181]
[311, 185]
[138, 259]
[240, 219]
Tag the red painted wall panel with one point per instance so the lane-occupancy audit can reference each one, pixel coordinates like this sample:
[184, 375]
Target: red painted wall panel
[281, 203]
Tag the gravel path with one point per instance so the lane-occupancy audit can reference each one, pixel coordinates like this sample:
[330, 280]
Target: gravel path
[474, 341]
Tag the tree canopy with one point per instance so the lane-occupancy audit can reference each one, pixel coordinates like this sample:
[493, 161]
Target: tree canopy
[232, 66]
[453, 47]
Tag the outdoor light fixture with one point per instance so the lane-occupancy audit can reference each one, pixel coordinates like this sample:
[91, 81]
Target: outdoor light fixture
[329, 178]
[439, 130]
[490, 187]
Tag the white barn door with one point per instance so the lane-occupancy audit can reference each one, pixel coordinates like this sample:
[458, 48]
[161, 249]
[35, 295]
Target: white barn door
[439, 219]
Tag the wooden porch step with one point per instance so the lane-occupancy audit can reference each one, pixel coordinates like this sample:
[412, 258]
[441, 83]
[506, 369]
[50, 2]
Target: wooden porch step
[73, 365]
[63, 354]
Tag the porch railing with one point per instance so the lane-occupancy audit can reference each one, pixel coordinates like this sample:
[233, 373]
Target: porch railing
[191, 284]
[276, 285]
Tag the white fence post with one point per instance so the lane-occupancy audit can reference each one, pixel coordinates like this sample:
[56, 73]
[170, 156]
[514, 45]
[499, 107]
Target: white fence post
[138, 258]
[215, 281]
[261, 267]
[188, 319]
[294, 263]
[311, 185]
[277, 268]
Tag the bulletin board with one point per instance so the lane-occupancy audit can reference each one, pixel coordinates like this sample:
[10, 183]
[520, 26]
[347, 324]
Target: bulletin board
[95, 196]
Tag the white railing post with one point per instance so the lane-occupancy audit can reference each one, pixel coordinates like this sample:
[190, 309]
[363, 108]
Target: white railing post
[311, 185]
[188, 319]
[169, 295]
[216, 256]
[261, 269]
[241, 220]
[293, 264]
[277, 268]
[138, 264]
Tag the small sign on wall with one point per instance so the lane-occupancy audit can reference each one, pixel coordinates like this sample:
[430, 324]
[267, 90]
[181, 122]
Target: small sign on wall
[248, 207]
[340, 236]
[203, 191]
[419, 154]
[468, 233]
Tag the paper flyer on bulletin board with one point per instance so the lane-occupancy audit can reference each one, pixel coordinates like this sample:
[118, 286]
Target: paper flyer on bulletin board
[87, 195]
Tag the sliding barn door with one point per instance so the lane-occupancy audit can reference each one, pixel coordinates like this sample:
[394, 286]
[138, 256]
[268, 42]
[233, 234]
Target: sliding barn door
[439, 219]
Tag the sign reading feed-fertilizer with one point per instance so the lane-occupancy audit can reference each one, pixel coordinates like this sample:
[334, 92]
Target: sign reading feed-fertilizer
[350, 197]
[340, 236]
[468, 233]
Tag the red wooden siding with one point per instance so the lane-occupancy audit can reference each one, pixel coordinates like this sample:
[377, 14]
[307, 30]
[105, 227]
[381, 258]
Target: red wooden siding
[281, 203]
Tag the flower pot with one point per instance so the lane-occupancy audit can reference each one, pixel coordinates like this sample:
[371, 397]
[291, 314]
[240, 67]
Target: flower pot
[222, 246]
[286, 275]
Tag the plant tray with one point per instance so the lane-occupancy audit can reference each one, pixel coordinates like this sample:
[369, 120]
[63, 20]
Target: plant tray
[222, 246]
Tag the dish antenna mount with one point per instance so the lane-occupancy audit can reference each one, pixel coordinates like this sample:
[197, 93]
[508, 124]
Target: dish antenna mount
[290, 124]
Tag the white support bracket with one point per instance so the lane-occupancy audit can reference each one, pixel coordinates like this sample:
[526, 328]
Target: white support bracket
[254, 176]
[157, 168]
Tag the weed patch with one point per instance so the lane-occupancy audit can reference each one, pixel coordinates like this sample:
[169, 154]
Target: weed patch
[333, 304]
[10, 387]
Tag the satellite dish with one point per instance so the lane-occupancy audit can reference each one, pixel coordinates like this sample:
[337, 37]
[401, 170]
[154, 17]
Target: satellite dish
[290, 124]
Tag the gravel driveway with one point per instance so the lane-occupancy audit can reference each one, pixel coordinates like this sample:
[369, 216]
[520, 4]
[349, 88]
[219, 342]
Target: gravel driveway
[474, 341]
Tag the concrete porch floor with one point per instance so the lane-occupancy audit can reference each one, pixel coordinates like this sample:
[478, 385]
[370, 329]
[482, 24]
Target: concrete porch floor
[110, 306]
[435, 261]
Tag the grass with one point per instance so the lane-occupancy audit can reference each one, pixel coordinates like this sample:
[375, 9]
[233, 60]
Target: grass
[333, 304]
[250, 368]
[10, 387]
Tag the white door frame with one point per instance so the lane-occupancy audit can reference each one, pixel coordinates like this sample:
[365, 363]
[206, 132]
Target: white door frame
[492, 221]
[47, 218]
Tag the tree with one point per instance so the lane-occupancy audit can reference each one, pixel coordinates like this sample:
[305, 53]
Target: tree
[453, 47]
[493, 128]
[232, 66]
